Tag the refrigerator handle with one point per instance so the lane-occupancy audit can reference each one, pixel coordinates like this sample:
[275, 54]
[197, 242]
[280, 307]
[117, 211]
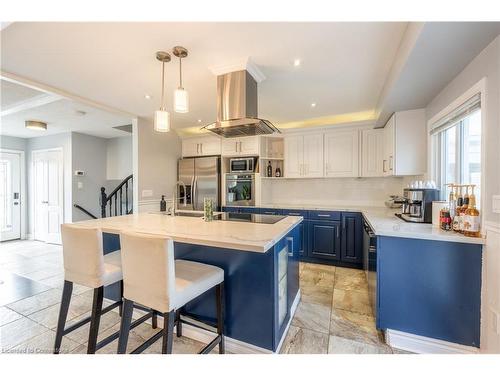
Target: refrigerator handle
[194, 193]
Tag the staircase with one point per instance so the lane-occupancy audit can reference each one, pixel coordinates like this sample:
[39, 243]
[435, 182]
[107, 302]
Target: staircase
[119, 201]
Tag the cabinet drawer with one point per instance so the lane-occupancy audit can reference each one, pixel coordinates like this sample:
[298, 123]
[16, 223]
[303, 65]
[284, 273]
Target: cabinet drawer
[303, 213]
[271, 211]
[324, 215]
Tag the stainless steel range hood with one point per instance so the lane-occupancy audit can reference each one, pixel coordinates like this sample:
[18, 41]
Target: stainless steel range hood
[237, 107]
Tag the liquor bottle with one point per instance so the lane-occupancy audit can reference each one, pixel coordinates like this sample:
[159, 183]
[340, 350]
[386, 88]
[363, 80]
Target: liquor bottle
[457, 219]
[163, 204]
[464, 207]
[472, 221]
[278, 172]
[269, 169]
[445, 219]
[452, 203]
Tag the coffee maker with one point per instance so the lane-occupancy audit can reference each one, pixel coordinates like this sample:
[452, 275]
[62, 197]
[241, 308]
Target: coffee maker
[417, 205]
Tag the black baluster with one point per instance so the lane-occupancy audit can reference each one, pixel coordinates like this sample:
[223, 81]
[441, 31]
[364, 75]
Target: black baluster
[126, 197]
[116, 212]
[110, 205]
[103, 201]
[121, 202]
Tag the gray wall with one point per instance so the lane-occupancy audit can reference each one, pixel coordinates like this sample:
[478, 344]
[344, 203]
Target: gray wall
[157, 155]
[88, 155]
[119, 158]
[12, 143]
[486, 64]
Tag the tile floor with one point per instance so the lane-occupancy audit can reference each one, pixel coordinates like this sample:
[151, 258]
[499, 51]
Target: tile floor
[334, 315]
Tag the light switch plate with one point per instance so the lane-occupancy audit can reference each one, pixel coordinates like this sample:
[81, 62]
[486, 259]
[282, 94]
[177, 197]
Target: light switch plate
[496, 204]
[147, 193]
[80, 185]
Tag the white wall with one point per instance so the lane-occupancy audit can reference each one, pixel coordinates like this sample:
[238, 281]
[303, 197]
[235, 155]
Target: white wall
[333, 191]
[88, 155]
[486, 64]
[155, 163]
[119, 158]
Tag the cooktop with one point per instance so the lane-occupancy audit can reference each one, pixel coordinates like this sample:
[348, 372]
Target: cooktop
[249, 218]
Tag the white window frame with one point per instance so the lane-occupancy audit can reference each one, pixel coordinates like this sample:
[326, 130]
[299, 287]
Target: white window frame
[434, 148]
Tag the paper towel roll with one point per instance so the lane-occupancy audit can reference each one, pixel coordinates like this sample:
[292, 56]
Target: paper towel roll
[436, 208]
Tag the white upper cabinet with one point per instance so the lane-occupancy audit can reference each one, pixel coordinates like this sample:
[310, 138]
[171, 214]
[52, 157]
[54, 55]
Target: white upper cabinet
[405, 144]
[201, 146]
[372, 152]
[342, 153]
[294, 155]
[304, 155]
[240, 146]
[313, 155]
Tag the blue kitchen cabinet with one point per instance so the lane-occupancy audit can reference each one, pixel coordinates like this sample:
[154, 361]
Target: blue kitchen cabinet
[324, 239]
[302, 251]
[352, 238]
[241, 210]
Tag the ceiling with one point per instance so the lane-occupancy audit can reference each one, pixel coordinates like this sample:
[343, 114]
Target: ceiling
[21, 103]
[343, 65]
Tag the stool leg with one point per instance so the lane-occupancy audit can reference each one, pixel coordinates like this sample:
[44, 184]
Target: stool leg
[179, 323]
[219, 291]
[168, 329]
[128, 309]
[63, 314]
[120, 307]
[95, 319]
[154, 319]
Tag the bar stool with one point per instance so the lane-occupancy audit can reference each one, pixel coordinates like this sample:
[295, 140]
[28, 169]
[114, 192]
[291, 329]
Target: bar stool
[152, 278]
[86, 264]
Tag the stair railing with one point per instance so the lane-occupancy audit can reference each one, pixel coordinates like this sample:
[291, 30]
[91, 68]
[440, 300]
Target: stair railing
[113, 203]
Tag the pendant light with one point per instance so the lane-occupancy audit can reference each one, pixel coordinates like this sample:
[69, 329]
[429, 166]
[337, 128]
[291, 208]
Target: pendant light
[181, 96]
[162, 117]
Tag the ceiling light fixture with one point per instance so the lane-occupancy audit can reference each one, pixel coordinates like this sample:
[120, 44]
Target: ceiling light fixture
[162, 117]
[35, 125]
[199, 120]
[147, 96]
[181, 96]
[296, 62]
[313, 105]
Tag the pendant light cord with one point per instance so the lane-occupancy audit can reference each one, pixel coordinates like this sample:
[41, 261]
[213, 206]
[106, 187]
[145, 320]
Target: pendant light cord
[180, 73]
[162, 84]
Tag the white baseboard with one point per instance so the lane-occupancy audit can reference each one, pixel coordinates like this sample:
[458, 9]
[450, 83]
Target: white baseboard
[232, 345]
[425, 345]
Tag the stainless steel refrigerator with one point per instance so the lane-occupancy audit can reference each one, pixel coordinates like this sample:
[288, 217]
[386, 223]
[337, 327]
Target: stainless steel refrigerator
[200, 179]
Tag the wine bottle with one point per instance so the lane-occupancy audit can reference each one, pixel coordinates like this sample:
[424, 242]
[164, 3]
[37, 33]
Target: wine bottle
[269, 169]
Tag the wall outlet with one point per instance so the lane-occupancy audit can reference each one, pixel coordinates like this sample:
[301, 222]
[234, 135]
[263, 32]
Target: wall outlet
[147, 193]
[496, 204]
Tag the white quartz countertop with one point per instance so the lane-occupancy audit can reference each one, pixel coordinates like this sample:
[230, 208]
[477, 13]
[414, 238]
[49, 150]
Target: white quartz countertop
[384, 222]
[194, 230]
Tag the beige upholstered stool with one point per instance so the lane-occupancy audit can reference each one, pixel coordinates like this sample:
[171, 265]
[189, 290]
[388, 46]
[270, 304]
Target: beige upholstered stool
[152, 278]
[85, 264]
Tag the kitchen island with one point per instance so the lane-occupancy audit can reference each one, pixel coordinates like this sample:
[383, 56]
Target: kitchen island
[261, 270]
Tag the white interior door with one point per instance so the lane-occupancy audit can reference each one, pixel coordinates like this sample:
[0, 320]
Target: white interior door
[48, 195]
[10, 196]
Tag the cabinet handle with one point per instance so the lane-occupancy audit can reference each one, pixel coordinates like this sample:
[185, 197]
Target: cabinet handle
[390, 163]
[323, 215]
[201, 148]
[240, 147]
[383, 168]
[343, 223]
[337, 230]
[197, 148]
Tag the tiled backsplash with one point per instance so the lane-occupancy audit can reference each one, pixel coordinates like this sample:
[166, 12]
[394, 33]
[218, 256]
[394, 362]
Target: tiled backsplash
[334, 191]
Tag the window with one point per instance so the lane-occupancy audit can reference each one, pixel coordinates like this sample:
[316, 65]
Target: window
[458, 148]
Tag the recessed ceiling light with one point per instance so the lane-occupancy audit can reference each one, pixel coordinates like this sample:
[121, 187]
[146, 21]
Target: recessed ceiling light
[199, 120]
[296, 62]
[313, 105]
[148, 97]
[35, 125]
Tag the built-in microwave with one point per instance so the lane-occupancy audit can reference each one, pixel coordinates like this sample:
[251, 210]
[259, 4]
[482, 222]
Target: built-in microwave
[242, 165]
